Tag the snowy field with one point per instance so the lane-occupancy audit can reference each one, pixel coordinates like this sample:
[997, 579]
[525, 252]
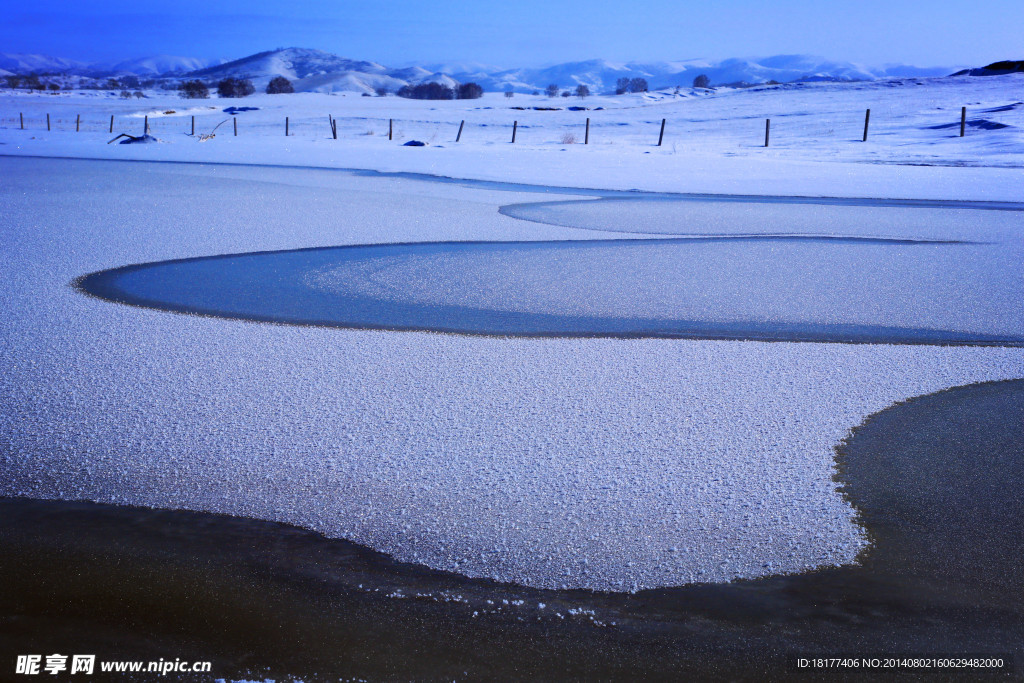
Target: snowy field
[610, 464]
[713, 142]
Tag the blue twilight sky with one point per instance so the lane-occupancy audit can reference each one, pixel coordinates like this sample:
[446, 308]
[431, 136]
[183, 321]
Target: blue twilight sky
[521, 32]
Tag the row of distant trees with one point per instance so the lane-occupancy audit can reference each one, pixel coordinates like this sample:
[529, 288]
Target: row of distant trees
[438, 91]
[33, 81]
[552, 91]
[625, 85]
[243, 87]
[622, 86]
[233, 87]
[30, 82]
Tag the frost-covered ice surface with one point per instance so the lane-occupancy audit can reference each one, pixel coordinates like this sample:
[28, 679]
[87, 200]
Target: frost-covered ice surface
[594, 463]
[962, 287]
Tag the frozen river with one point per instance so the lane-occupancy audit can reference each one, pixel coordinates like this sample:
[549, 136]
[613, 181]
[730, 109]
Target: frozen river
[560, 461]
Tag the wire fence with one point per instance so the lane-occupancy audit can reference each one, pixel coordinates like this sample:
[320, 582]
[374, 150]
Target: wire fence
[585, 127]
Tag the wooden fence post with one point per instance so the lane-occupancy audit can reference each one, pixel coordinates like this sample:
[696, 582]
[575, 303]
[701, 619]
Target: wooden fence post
[586, 136]
[111, 123]
[391, 127]
[963, 120]
[286, 126]
[21, 116]
[145, 125]
[767, 130]
[515, 125]
[334, 128]
[867, 117]
[193, 125]
[662, 133]
[78, 122]
[47, 122]
[235, 120]
[459, 136]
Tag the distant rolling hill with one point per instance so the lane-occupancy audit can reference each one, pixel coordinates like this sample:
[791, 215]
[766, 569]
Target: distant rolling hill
[314, 70]
[160, 65]
[24, 63]
[994, 69]
[319, 71]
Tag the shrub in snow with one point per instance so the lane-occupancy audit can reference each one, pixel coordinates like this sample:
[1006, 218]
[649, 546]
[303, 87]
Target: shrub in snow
[551, 90]
[125, 94]
[235, 87]
[53, 87]
[638, 85]
[279, 85]
[624, 85]
[194, 90]
[414, 143]
[426, 91]
[31, 82]
[382, 91]
[469, 91]
[509, 93]
[582, 91]
[702, 81]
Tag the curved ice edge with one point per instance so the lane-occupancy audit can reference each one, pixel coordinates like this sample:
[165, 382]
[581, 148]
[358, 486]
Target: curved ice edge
[600, 193]
[856, 572]
[104, 284]
[524, 211]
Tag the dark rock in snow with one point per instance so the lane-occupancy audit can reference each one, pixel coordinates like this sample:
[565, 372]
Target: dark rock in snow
[978, 124]
[145, 139]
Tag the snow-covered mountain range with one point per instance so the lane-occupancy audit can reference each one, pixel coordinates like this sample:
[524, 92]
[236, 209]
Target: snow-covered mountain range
[157, 65]
[24, 64]
[319, 71]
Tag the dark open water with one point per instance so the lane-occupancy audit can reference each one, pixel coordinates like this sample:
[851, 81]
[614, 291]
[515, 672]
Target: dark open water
[938, 480]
